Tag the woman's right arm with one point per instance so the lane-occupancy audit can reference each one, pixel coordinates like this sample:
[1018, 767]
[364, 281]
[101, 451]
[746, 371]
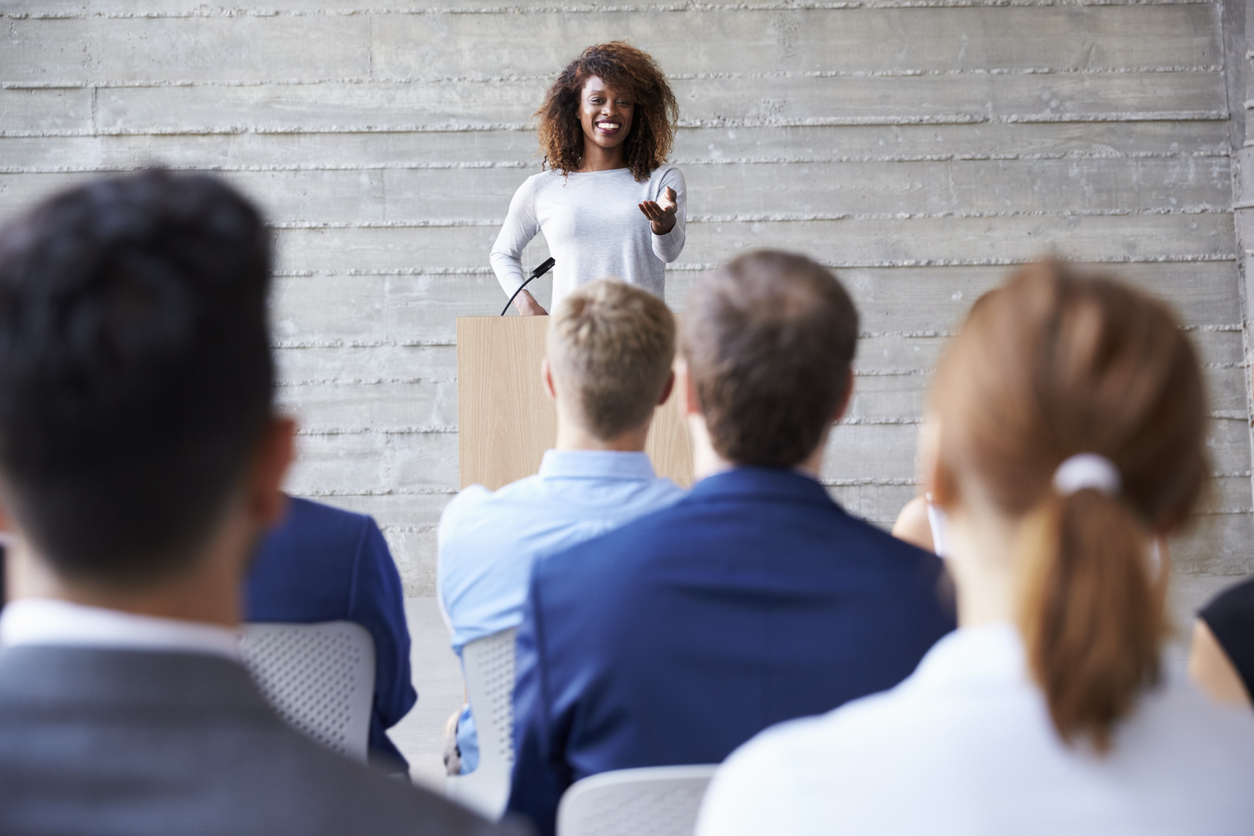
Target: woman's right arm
[519, 228]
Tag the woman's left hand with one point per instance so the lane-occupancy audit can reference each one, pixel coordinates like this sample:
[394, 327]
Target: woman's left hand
[661, 212]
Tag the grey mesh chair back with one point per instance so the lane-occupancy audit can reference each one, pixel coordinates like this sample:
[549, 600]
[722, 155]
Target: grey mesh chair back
[488, 664]
[657, 800]
[319, 677]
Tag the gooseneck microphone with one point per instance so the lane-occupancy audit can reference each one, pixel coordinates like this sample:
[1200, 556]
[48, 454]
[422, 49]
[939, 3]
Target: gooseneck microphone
[535, 274]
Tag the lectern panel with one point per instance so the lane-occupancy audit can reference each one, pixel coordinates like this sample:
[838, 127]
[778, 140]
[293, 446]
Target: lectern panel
[505, 420]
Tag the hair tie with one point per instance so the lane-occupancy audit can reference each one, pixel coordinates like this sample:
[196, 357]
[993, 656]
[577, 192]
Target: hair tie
[1087, 470]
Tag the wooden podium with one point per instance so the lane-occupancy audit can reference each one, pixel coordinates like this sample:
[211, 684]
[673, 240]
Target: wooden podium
[505, 419]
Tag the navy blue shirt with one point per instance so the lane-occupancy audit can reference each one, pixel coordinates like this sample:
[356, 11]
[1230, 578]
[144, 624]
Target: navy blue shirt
[679, 636]
[324, 564]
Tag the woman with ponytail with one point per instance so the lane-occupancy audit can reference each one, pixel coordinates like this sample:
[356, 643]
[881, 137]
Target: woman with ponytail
[1069, 432]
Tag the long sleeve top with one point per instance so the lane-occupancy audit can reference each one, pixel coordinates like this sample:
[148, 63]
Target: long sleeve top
[489, 540]
[678, 636]
[594, 228]
[965, 745]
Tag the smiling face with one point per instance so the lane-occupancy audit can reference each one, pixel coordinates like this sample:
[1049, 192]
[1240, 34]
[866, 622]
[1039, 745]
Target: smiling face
[605, 114]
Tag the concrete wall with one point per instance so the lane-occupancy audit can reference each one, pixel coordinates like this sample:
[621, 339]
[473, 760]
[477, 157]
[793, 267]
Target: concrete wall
[921, 150]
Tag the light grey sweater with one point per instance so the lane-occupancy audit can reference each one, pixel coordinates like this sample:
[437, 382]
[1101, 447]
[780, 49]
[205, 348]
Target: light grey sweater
[594, 228]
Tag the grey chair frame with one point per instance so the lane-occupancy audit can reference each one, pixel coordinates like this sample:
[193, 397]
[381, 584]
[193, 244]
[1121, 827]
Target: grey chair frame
[319, 678]
[488, 665]
[657, 800]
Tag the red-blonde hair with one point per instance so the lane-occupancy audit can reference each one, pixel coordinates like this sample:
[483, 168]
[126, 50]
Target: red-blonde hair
[1053, 364]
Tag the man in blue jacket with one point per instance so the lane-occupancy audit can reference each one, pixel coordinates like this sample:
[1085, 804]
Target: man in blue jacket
[754, 600]
[324, 564]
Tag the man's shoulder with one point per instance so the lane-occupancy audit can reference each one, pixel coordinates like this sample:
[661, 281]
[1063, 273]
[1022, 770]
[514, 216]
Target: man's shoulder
[476, 502]
[652, 531]
[323, 526]
[334, 789]
[210, 745]
[868, 534]
[261, 781]
[692, 522]
[333, 794]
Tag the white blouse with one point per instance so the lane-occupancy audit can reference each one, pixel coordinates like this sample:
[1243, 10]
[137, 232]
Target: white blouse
[965, 745]
[594, 229]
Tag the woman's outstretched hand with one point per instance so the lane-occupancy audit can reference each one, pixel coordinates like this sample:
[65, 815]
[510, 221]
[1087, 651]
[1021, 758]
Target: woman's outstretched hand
[661, 212]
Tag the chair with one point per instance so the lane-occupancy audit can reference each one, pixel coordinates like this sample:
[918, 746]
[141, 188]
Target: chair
[488, 664]
[658, 800]
[319, 677]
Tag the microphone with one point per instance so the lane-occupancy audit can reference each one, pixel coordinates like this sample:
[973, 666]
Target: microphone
[535, 274]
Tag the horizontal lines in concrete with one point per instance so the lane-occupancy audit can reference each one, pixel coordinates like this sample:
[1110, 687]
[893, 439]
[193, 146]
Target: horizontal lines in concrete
[899, 120]
[463, 149]
[125, 84]
[788, 42]
[792, 217]
[835, 264]
[679, 161]
[923, 149]
[516, 150]
[307, 8]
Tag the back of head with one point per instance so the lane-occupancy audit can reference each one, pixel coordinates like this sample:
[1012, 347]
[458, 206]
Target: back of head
[769, 341]
[611, 346]
[135, 370]
[1055, 364]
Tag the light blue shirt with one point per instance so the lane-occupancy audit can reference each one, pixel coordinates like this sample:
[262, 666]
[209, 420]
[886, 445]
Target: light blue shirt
[489, 540]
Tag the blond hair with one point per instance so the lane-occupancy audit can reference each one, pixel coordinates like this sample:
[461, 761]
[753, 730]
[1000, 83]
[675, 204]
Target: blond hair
[613, 345]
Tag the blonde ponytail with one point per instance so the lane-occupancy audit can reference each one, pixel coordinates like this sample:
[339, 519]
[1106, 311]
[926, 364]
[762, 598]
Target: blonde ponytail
[1091, 611]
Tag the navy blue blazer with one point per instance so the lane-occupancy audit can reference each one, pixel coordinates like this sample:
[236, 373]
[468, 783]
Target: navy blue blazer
[676, 638]
[324, 564]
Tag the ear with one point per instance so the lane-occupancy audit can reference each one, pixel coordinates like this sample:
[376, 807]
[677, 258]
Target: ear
[667, 389]
[938, 482]
[546, 375]
[688, 403]
[844, 401]
[274, 453]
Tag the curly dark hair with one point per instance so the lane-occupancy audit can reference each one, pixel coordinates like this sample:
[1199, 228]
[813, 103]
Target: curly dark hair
[630, 71]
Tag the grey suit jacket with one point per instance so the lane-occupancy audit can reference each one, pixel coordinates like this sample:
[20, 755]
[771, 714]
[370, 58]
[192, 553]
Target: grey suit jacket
[131, 742]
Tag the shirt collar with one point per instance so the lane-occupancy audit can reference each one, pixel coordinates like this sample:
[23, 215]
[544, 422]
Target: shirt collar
[45, 621]
[989, 651]
[595, 464]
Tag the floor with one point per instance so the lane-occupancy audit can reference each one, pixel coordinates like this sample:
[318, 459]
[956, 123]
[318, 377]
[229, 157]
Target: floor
[438, 678]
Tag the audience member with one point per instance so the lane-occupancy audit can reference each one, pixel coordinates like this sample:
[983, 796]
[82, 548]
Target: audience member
[1071, 431]
[1221, 660]
[610, 350]
[756, 598]
[140, 461]
[325, 564]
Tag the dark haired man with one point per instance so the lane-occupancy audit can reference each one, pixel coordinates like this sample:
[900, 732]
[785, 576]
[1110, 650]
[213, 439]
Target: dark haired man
[140, 460]
[754, 600]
